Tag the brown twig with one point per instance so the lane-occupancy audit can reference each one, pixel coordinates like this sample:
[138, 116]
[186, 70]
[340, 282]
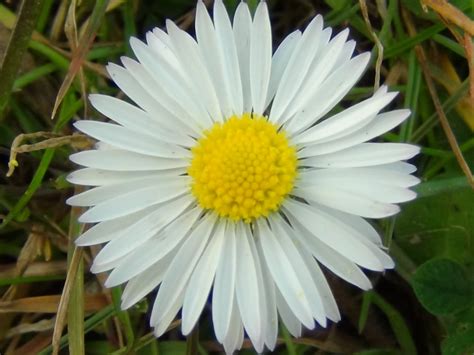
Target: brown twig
[469, 48]
[64, 302]
[452, 14]
[378, 64]
[52, 140]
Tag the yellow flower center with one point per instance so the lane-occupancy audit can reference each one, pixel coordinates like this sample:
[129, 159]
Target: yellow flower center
[243, 169]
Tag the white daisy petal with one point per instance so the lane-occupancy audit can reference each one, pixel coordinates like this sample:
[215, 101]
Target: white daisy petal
[364, 232]
[159, 42]
[242, 28]
[228, 48]
[287, 316]
[132, 87]
[346, 53]
[297, 68]
[187, 52]
[148, 252]
[356, 117]
[171, 293]
[213, 58]
[188, 119]
[201, 280]
[330, 305]
[311, 78]
[133, 201]
[348, 201]
[133, 118]
[161, 78]
[268, 287]
[374, 191]
[278, 226]
[364, 154]
[142, 230]
[328, 94]
[102, 193]
[379, 125]
[98, 268]
[279, 63]
[322, 66]
[145, 282]
[246, 288]
[123, 160]
[284, 275]
[260, 57]
[401, 167]
[381, 174]
[269, 316]
[334, 261]
[98, 177]
[224, 285]
[327, 229]
[105, 231]
[234, 336]
[363, 227]
[124, 138]
[162, 36]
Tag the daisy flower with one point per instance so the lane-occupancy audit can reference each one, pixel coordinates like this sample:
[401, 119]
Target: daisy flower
[228, 181]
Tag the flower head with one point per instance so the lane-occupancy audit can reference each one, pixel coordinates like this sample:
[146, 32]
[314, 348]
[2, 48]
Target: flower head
[228, 175]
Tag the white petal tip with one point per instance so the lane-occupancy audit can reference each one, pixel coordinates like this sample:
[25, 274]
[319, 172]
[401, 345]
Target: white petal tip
[124, 305]
[109, 284]
[393, 210]
[159, 331]
[70, 200]
[85, 218]
[93, 97]
[96, 269]
[82, 242]
[323, 322]
[335, 317]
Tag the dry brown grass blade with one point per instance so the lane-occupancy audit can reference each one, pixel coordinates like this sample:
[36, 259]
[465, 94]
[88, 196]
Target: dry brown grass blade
[64, 301]
[81, 51]
[29, 252]
[422, 59]
[452, 14]
[76, 305]
[53, 141]
[446, 76]
[49, 304]
[39, 268]
[469, 48]
[34, 346]
[40, 326]
[378, 64]
[70, 29]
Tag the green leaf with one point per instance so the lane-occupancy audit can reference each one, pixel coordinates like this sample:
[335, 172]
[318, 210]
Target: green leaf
[440, 225]
[442, 287]
[461, 339]
[172, 347]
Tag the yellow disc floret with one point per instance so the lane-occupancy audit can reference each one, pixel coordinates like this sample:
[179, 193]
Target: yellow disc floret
[243, 169]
